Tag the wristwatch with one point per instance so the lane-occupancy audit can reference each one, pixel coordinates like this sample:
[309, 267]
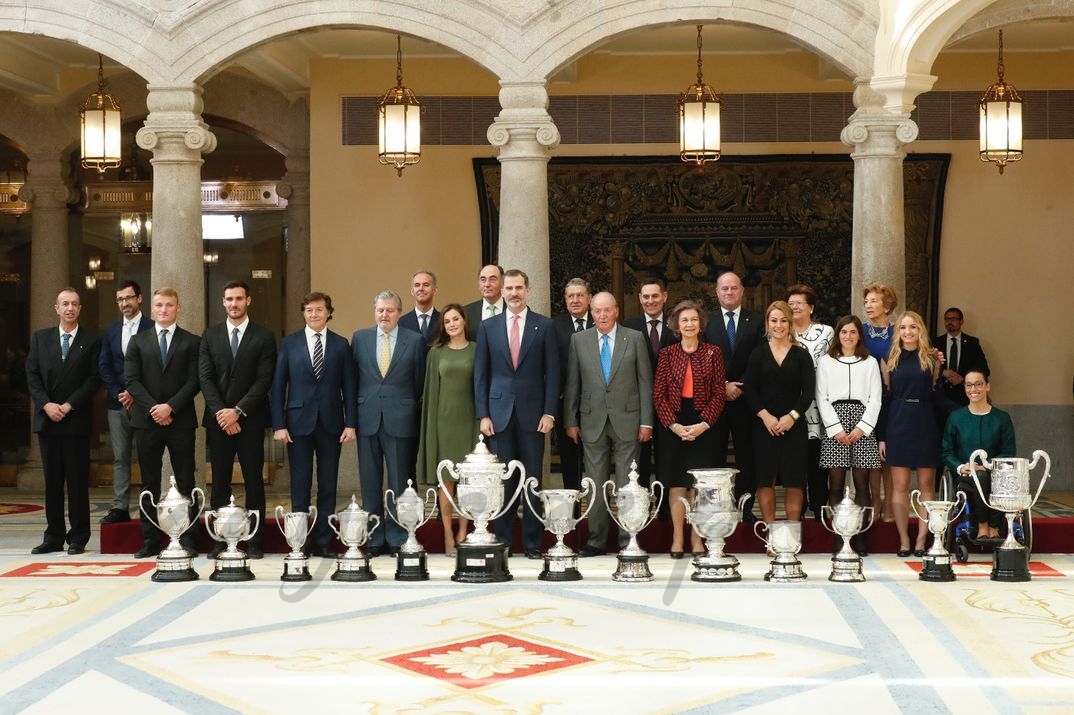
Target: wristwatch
[794, 415]
[239, 412]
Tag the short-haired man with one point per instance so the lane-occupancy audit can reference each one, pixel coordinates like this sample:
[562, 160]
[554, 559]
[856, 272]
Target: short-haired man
[390, 365]
[576, 297]
[490, 304]
[118, 401]
[516, 390]
[608, 401]
[235, 369]
[161, 369]
[61, 374]
[962, 353]
[425, 317]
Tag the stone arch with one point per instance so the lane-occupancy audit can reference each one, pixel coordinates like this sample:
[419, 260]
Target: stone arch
[1010, 12]
[97, 25]
[265, 114]
[912, 43]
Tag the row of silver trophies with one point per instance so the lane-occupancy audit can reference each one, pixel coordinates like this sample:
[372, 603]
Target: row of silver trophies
[713, 513]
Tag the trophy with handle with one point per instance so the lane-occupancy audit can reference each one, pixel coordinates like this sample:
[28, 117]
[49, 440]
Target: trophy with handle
[938, 514]
[785, 540]
[714, 515]
[296, 527]
[560, 561]
[635, 509]
[353, 531]
[411, 513]
[173, 518]
[846, 520]
[231, 524]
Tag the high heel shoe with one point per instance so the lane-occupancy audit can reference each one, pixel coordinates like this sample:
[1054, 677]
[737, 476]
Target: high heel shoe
[676, 554]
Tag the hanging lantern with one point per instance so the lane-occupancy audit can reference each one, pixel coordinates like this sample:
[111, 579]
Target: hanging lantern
[399, 121]
[101, 127]
[1001, 120]
[699, 119]
[136, 233]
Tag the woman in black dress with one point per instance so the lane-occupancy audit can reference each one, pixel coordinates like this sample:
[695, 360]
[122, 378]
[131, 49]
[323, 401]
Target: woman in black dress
[780, 383]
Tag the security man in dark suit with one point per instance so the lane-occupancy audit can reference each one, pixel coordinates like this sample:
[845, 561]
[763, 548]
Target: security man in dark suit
[235, 369]
[162, 374]
[962, 353]
[61, 374]
[576, 296]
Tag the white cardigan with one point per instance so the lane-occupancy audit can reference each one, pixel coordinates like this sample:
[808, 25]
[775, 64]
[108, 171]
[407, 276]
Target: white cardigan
[848, 379]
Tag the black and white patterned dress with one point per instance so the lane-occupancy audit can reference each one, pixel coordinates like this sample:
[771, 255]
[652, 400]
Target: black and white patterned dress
[849, 394]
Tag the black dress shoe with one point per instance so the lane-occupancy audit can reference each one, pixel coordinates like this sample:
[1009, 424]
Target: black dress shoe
[533, 554]
[76, 549]
[676, 554]
[116, 516]
[903, 553]
[590, 550]
[148, 550]
[314, 550]
[254, 552]
[46, 548]
[919, 553]
[217, 550]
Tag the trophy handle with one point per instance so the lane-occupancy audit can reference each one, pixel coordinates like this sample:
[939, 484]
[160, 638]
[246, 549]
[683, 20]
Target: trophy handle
[915, 502]
[608, 504]
[872, 517]
[332, 521]
[196, 492]
[757, 525]
[371, 518]
[513, 464]
[530, 484]
[973, 470]
[1037, 454]
[430, 505]
[440, 480]
[389, 493]
[141, 505]
[960, 504]
[257, 523]
[659, 499]
[826, 509]
[313, 520]
[279, 512]
[591, 487]
[209, 516]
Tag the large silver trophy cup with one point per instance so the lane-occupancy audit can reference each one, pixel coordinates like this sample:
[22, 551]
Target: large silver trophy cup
[479, 496]
[785, 540]
[714, 515]
[410, 513]
[231, 524]
[938, 514]
[846, 520]
[635, 509]
[353, 531]
[560, 561]
[296, 527]
[1011, 495]
[173, 518]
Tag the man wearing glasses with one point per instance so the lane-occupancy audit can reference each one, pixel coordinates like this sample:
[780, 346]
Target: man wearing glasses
[962, 353]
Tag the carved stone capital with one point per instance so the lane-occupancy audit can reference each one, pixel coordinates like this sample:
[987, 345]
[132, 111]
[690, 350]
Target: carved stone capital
[174, 127]
[878, 133]
[523, 125]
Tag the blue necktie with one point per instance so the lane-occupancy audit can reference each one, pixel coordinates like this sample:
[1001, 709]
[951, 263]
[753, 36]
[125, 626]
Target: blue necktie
[605, 358]
[731, 329]
[163, 347]
[65, 347]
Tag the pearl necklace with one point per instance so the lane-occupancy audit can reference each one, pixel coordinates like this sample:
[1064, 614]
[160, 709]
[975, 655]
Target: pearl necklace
[878, 334]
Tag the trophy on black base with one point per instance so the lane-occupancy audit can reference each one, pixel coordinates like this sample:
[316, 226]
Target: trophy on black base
[480, 557]
[635, 509]
[231, 524]
[353, 531]
[845, 520]
[560, 561]
[173, 518]
[1010, 494]
[936, 563]
[410, 563]
[785, 540]
[714, 515]
[296, 527]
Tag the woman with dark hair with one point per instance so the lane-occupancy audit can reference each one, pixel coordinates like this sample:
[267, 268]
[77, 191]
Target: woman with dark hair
[688, 397]
[448, 421]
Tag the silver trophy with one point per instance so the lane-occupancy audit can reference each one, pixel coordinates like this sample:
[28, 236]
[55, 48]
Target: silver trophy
[635, 509]
[560, 561]
[411, 511]
[353, 531]
[479, 496]
[936, 564]
[231, 524]
[846, 520]
[785, 539]
[1010, 494]
[296, 527]
[714, 515]
[173, 518]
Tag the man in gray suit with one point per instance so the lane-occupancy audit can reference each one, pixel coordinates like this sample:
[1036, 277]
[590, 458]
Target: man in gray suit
[610, 388]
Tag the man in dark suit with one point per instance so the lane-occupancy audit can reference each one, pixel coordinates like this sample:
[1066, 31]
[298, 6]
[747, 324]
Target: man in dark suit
[737, 331]
[609, 405]
[577, 318]
[61, 374]
[313, 401]
[516, 390]
[161, 369]
[652, 323]
[235, 369]
[962, 353]
[491, 302]
[118, 401]
[391, 375]
[424, 318]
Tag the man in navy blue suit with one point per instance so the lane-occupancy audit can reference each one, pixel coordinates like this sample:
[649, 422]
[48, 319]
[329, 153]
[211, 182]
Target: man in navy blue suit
[118, 401]
[313, 403]
[424, 318]
[516, 388]
[391, 375]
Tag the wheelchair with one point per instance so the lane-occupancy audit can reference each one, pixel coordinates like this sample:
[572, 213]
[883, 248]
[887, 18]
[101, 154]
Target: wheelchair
[962, 539]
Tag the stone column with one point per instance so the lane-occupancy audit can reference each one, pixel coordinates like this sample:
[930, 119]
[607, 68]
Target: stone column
[879, 246]
[524, 132]
[295, 187]
[48, 190]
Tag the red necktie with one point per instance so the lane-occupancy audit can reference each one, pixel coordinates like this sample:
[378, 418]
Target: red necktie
[515, 341]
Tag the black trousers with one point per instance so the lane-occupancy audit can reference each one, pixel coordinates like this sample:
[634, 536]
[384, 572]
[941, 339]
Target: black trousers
[249, 446]
[737, 422]
[65, 459]
[151, 443]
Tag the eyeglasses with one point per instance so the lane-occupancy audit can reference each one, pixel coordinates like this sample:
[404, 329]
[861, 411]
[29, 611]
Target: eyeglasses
[974, 385]
[125, 298]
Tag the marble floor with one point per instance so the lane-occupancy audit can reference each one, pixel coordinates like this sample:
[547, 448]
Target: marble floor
[92, 633]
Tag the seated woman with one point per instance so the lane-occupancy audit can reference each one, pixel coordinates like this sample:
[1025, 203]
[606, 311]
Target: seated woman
[979, 425]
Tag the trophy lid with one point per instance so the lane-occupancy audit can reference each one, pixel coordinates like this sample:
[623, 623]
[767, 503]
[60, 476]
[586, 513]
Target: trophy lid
[230, 510]
[632, 480]
[481, 454]
[173, 498]
[409, 496]
[846, 505]
[352, 508]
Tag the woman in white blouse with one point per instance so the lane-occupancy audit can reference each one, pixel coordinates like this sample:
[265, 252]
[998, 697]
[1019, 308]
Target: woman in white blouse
[849, 392]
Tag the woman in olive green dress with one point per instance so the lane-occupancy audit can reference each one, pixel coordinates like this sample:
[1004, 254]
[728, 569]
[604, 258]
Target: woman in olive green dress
[448, 424]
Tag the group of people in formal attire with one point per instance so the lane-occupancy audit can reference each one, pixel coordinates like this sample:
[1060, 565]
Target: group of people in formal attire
[670, 390]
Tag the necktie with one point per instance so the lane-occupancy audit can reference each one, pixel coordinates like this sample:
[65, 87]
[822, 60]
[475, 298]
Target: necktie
[424, 325]
[65, 347]
[164, 347]
[731, 329]
[234, 341]
[128, 332]
[515, 341]
[579, 325]
[318, 356]
[952, 359]
[605, 358]
[385, 359]
[493, 310]
[654, 336]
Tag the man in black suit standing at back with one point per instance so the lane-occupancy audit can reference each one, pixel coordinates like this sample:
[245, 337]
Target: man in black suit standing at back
[737, 331]
[235, 369]
[490, 304]
[424, 318]
[61, 374]
[162, 374]
[962, 353]
[576, 296]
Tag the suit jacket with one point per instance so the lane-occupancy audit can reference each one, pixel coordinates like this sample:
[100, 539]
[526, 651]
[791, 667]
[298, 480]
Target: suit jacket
[749, 333]
[970, 357]
[299, 401]
[174, 382]
[641, 324]
[565, 328]
[707, 368]
[391, 401]
[111, 362]
[242, 381]
[474, 317]
[626, 400]
[50, 378]
[409, 320]
[529, 392]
